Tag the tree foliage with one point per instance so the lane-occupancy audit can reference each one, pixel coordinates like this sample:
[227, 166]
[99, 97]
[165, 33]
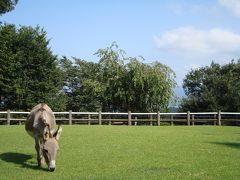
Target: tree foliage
[213, 88]
[29, 72]
[148, 86]
[117, 83]
[81, 84]
[7, 5]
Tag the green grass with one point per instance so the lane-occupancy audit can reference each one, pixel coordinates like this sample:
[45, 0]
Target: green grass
[122, 152]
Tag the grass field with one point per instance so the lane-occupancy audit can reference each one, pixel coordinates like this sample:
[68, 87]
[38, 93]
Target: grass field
[122, 152]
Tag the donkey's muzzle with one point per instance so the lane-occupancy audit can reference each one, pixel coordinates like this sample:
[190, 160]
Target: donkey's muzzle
[51, 169]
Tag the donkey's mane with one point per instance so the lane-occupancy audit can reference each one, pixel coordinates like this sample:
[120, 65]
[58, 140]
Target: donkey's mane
[41, 110]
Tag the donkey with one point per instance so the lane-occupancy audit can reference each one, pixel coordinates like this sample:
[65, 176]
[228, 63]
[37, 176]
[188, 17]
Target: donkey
[40, 124]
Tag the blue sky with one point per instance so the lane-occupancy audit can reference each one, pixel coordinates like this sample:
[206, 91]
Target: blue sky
[182, 34]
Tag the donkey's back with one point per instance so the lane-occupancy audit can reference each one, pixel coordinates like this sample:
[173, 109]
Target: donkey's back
[40, 116]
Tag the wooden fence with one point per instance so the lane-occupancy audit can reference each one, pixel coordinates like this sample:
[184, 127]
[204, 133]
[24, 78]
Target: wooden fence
[129, 118]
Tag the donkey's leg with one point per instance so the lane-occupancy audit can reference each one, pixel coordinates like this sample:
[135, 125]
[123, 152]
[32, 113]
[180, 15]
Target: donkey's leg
[37, 147]
[41, 154]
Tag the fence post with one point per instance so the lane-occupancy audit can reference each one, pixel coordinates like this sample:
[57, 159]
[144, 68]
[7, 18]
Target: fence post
[151, 123]
[188, 118]
[215, 120]
[135, 122]
[193, 120]
[100, 118]
[129, 118]
[171, 120]
[70, 117]
[8, 117]
[219, 118]
[158, 118]
[89, 117]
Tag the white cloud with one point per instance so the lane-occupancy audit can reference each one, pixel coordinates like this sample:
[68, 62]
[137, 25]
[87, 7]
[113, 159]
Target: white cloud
[231, 5]
[190, 41]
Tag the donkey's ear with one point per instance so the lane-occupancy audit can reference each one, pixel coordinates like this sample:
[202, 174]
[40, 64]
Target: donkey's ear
[46, 133]
[58, 133]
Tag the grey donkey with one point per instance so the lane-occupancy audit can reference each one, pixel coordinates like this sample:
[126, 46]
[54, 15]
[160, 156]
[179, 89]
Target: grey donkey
[40, 125]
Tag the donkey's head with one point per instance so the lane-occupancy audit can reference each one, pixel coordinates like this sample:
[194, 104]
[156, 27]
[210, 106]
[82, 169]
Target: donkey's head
[50, 147]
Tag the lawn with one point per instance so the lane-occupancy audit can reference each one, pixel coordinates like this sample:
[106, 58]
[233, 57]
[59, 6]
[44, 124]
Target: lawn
[123, 152]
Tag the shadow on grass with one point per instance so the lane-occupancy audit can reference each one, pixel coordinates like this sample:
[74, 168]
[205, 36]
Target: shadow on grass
[228, 144]
[19, 159]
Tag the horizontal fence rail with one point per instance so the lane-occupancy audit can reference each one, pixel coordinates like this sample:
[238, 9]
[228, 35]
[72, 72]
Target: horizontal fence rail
[130, 118]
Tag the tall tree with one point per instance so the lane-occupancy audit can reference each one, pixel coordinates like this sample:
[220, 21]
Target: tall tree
[111, 63]
[81, 84]
[213, 88]
[7, 5]
[29, 72]
[148, 87]
[117, 83]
